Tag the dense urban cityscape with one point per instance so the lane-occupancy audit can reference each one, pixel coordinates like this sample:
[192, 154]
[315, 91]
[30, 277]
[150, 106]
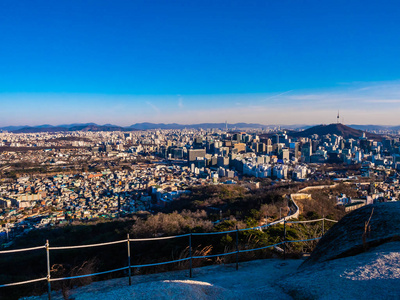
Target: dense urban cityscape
[49, 179]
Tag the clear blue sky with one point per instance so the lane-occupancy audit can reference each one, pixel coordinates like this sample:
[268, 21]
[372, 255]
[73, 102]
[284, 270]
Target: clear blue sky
[270, 62]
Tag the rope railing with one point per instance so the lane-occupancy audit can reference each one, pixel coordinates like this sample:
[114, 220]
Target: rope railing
[213, 233]
[274, 223]
[88, 275]
[22, 250]
[161, 263]
[23, 282]
[162, 238]
[255, 228]
[215, 255]
[86, 246]
[261, 248]
[298, 241]
[129, 240]
[307, 221]
[331, 220]
[158, 238]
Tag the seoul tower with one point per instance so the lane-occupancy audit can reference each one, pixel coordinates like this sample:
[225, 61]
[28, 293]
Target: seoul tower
[337, 121]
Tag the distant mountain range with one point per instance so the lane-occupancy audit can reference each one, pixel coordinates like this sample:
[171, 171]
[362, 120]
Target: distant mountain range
[60, 128]
[342, 130]
[144, 126]
[137, 126]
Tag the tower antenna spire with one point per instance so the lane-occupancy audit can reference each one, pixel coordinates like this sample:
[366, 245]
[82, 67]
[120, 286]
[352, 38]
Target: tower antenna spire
[337, 121]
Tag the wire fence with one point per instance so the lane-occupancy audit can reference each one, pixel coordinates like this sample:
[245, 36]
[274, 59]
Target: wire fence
[129, 240]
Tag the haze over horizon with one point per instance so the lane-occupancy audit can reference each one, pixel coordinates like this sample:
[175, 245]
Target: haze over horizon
[199, 62]
[142, 125]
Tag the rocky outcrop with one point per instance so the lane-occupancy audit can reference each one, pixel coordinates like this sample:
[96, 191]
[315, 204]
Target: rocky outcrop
[374, 274]
[350, 236]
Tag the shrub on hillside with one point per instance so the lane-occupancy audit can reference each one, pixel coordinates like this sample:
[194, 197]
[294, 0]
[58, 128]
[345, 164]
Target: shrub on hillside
[171, 224]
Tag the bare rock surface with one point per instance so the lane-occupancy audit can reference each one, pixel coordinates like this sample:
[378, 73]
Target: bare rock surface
[345, 238]
[374, 274]
[253, 280]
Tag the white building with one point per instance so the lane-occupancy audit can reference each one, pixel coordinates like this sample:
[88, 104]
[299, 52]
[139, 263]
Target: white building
[280, 171]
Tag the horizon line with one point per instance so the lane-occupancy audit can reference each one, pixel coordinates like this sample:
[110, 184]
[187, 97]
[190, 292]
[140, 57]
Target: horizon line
[199, 123]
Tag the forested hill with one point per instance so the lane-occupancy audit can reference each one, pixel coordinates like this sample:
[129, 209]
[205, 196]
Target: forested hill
[338, 129]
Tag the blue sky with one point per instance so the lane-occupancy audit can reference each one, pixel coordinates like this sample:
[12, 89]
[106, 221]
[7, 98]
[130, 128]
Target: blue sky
[271, 62]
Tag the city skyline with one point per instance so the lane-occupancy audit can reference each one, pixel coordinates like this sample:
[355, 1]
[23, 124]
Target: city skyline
[268, 63]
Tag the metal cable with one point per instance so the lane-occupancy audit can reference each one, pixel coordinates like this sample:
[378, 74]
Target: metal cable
[87, 275]
[248, 250]
[162, 263]
[215, 255]
[252, 228]
[303, 240]
[212, 233]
